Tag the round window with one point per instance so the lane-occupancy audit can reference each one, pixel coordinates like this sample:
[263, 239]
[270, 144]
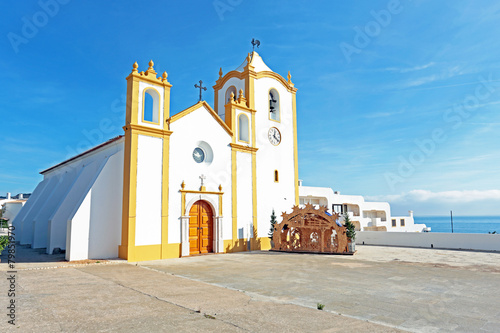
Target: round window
[198, 155]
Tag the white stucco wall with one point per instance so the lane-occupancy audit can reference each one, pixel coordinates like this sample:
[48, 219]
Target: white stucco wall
[221, 93]
[106, 210]
[27, 224]
[244, 195]
[12, 208]
[64, 182]
[77, 231]
[485, 242]
[278, 196]
[89, 170]
[35, 196]
[188, 131]
[148, 200]
[69, 206]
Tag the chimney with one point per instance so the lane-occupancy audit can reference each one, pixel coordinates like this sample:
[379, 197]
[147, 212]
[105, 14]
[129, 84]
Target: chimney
[8, 195]
[300, 182]
[20, 196]
[411, 213]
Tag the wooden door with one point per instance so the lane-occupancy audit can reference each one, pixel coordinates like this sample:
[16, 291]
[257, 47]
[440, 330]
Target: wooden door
[200, 228]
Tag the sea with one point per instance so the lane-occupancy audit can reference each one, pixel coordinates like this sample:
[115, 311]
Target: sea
[461, 224]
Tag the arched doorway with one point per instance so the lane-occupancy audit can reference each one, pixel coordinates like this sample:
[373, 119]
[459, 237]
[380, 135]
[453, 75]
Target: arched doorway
[200, 228]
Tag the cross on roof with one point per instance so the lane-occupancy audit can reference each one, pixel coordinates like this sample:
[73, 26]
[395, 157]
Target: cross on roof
[201, 87]
[202, 177]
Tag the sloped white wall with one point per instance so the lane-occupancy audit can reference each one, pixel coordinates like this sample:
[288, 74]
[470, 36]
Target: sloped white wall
[106, 210]
[40, 231]
[69, 206]
[35, 196]
[77, 237]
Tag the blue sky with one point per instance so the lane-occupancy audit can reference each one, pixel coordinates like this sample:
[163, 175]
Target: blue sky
[397, 100]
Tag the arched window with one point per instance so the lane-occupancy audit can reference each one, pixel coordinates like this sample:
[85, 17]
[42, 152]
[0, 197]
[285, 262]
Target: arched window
[276, 176]
[274, 105]
[230, 90]
[243, 128]
[151, 106]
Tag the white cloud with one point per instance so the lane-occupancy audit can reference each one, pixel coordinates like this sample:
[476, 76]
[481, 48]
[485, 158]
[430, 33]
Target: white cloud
[424, 196]
[410, 69]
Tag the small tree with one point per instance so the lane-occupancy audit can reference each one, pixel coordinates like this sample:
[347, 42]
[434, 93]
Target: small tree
[350, 232]
[273, 222]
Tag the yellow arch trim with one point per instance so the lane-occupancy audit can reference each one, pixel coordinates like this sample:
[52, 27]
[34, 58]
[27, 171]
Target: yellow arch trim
[143, 105]
[239, 127]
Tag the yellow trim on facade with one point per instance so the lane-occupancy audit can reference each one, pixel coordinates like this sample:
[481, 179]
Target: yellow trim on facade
[233, 195]
[126, 249]
[183, 203]
[279, 106]
[254, 186]
[295, 148]
[143, 105]
[145, 252]
[145, 130]
[277, 77]
[220, 205]
[221, 81]
[164, 199]
[200, 192]
[197, 106]
[239, 128]
[243, 149]
[172, 250]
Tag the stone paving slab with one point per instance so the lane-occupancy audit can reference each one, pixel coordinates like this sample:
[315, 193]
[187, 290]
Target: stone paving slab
[380, 289]
[128, 298]
[454, 294]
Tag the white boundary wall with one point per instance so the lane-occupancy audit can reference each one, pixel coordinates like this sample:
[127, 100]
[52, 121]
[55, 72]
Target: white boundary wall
[483, 242]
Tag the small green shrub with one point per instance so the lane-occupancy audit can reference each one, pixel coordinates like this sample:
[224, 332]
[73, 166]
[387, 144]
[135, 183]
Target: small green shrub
[320, 306]
[4, 241]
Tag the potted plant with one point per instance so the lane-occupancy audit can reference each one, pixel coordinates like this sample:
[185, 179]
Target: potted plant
[271, 230]
[350, 232]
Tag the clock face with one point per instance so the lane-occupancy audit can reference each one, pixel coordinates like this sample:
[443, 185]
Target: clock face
[274, 136]
[198, 155]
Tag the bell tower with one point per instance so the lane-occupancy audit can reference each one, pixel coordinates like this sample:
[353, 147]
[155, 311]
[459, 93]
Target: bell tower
[145, 183]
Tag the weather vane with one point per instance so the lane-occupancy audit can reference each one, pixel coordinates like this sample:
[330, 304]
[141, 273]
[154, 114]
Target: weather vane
[201, 88]
[255, 42]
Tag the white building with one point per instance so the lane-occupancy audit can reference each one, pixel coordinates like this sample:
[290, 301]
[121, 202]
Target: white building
[366, 216]
[11, 205]
[202, 180]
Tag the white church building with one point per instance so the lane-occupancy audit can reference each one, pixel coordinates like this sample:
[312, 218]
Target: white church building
[204, 180]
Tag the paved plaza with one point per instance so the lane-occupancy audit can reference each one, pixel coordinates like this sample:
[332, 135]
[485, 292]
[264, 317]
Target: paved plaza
[380, 289]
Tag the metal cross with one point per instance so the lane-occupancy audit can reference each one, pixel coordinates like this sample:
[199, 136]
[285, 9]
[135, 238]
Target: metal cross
[202, 177]
[201, 88]
[255, 42]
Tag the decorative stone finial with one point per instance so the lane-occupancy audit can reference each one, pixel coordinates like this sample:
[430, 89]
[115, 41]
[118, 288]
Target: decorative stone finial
[134, 67]
[183, 185]
[164, 76]
[232, 97]
[220, 187]
[151, 69]
[249, 59]
[289, 77]
[241, 98]
[220, 73]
